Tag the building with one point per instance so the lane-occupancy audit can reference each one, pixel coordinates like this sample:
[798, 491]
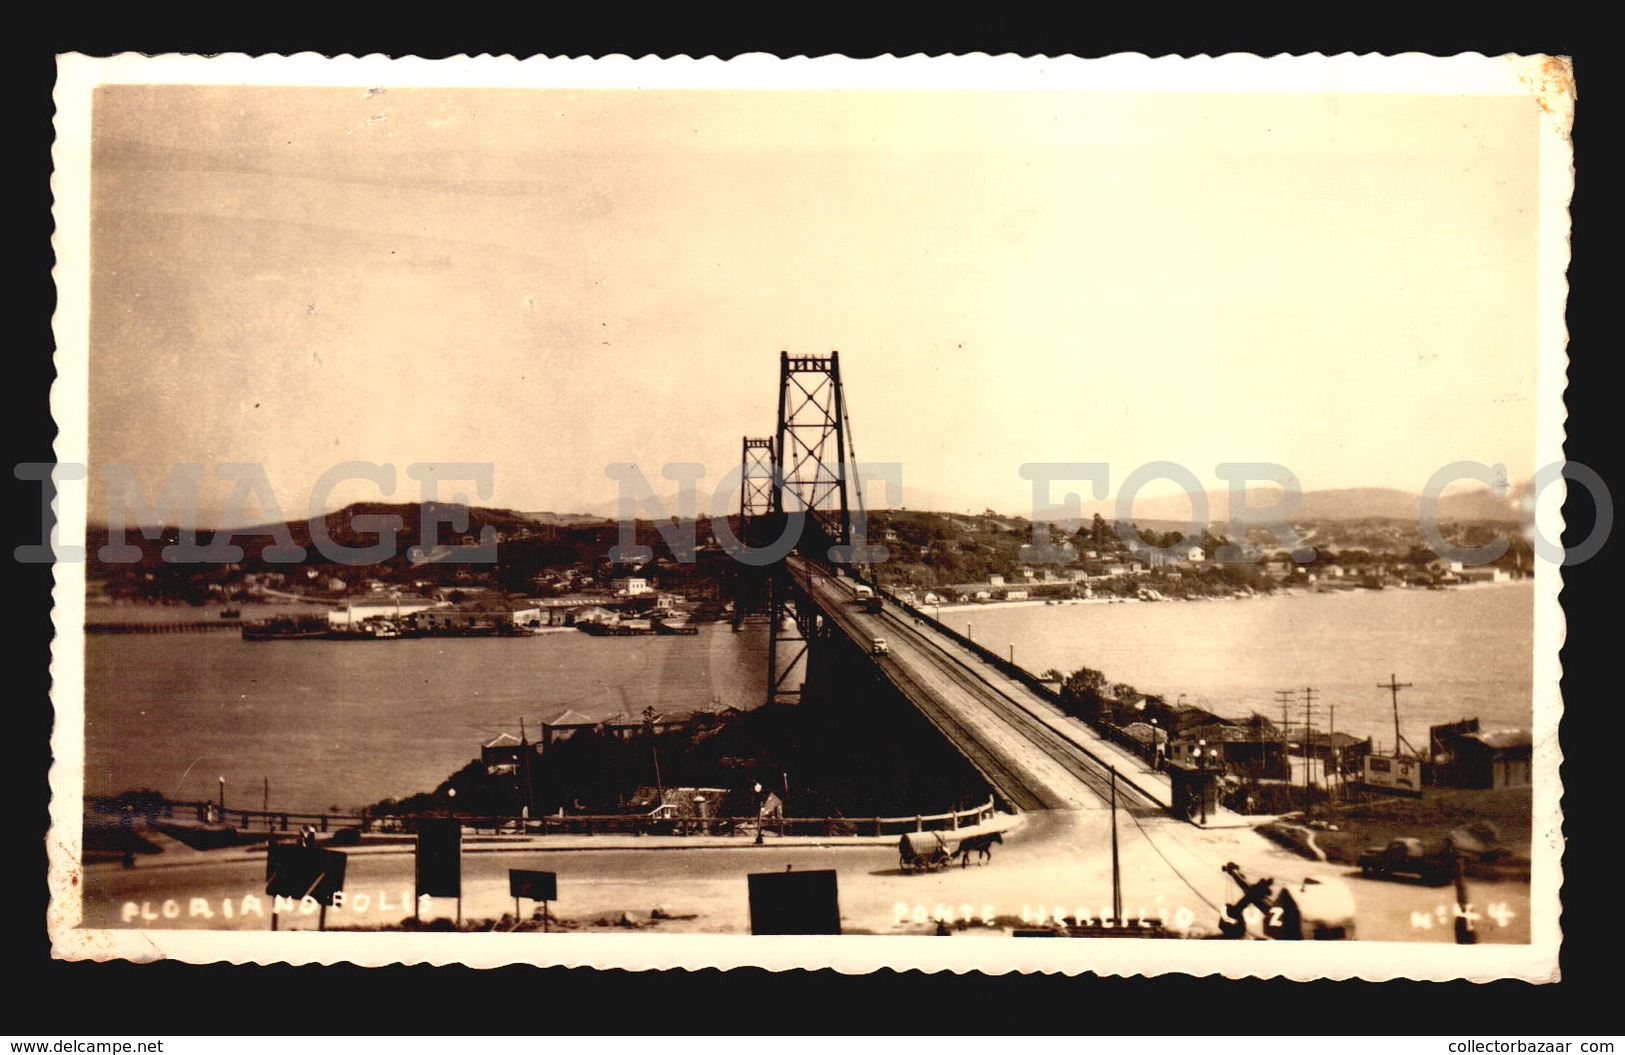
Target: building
[566, 723]
[1501, 758]
[364, 609]
[630, 586]
[1336, 752]
[480, 615]
[562, 725]
[625, 726]
[594, 613]
[1254, 753]
[1445, 570]
[505, 756]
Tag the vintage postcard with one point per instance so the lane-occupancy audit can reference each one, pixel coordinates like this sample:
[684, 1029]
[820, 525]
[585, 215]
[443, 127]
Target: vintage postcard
[812, 513]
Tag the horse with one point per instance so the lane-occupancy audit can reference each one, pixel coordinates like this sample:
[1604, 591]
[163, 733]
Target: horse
[981, 845]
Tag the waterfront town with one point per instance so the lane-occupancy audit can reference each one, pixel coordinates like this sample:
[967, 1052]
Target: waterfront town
[722, 770]
[554, 571]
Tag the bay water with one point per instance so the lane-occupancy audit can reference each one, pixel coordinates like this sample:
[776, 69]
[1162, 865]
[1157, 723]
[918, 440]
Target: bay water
[341, 724]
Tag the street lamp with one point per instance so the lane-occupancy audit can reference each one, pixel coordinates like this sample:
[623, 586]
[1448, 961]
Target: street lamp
[1156, 743]
[1201, 778]
[1213, 763]
[222, 798]
[1012, 653]
[761, 812]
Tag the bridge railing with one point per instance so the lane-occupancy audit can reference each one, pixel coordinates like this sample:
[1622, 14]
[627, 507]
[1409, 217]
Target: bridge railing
[209, 812]
[635, 824]
[277, 822]
[1036, 684]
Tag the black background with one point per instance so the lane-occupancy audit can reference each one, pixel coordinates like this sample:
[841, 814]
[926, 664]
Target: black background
[53, 998]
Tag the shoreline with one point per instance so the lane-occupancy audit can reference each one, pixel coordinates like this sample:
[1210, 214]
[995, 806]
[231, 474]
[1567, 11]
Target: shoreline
[104, 613]
[1285, 591]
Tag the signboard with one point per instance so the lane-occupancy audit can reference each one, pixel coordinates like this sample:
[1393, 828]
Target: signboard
[794, 903]
[1402, 776]
[1439, 734]
[440, 858]
[301, 871]
[536, 886]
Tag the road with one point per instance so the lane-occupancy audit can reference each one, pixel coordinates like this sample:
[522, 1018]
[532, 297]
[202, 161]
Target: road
[1056, 861]
[1033, 756]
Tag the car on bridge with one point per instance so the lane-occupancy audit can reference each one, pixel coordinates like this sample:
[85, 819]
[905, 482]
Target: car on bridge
[879, 647]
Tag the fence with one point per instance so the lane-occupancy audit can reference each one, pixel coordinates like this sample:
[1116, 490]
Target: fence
[583, 824]
[205, 812]
[638, 824]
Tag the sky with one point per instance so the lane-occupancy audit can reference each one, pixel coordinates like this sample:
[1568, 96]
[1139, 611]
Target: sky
[557, 280]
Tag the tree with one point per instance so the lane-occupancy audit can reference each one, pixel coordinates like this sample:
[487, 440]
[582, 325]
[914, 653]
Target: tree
[1085, 691]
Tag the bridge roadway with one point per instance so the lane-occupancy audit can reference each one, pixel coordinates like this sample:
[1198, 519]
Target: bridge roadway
[1031, 754]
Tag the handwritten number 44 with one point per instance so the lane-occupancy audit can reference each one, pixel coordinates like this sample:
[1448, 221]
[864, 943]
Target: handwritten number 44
[1497, 911]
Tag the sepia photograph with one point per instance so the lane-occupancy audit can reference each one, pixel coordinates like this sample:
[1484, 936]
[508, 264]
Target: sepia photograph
[786, 513]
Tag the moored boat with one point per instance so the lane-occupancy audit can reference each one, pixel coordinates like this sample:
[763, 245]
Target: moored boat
[287, 628]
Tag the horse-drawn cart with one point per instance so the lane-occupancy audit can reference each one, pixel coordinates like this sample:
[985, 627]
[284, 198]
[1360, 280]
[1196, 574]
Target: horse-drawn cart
[925, 851]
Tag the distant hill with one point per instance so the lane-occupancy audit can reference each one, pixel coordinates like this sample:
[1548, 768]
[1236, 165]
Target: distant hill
[565, 519]
[611, 510]
[340, 527]
[1346, 504]
[1355, 503]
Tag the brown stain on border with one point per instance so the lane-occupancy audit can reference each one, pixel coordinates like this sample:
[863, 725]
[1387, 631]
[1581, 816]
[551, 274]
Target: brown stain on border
[1551, 84]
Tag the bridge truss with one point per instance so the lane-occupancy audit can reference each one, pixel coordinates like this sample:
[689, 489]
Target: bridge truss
[809, 480]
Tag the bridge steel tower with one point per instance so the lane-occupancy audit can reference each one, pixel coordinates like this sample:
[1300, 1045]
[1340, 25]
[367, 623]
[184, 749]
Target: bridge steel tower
[812, 445]
[758, 475]
[810, 479]
[759, 472]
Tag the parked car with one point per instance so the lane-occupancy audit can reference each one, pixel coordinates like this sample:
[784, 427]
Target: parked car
[1409, 857]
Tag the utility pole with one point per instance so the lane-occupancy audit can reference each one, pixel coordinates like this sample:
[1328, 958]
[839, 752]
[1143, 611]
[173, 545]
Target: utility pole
[526, 775]
[1308, 731]
[1284, 698]
[1331, 744]
[1394, 685]
[1117, 880]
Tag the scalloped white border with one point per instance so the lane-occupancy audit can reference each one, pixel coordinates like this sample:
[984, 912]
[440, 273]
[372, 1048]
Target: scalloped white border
[1549, 80]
